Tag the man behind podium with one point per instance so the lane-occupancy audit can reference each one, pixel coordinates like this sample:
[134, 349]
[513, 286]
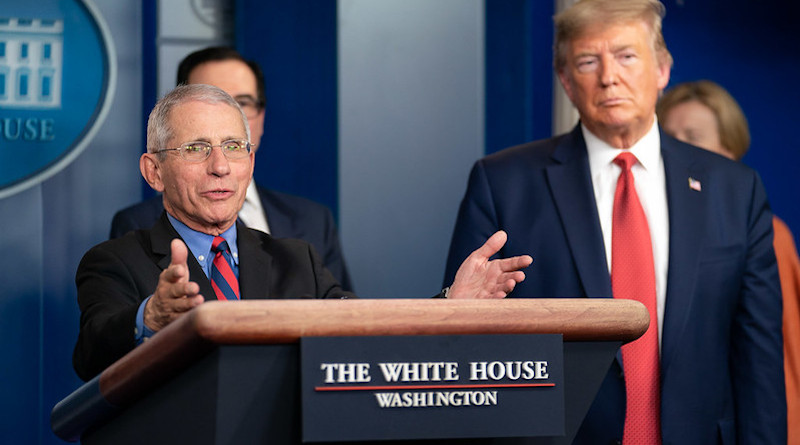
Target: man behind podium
[282, 215]
[716, 361]
[199, 158]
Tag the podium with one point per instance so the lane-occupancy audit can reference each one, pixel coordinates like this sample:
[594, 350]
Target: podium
[228, 372]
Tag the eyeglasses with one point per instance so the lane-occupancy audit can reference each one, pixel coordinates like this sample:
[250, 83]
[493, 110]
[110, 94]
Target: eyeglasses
[197, 151]
[250, 105]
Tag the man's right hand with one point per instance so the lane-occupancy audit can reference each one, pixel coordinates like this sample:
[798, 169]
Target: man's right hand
[175, 294]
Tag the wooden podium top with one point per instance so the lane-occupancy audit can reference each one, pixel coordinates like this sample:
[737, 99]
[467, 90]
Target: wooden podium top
[193, 335]
[285, 321]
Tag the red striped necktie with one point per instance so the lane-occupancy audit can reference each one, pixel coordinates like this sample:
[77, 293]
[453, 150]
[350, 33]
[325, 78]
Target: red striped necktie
[633, 277]
[223, 280]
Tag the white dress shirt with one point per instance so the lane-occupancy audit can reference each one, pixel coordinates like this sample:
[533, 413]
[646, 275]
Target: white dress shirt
[252, 212]
[651, 188]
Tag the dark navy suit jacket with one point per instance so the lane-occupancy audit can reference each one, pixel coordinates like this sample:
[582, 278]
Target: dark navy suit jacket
[114, 277]
[288, 216]
[721, 349]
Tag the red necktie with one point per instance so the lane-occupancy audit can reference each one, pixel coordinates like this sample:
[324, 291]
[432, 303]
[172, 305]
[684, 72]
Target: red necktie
[633, 277]
[223, 280]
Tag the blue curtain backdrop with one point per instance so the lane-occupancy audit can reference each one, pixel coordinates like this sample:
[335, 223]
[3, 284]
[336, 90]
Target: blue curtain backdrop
[519, 74]
[295, 45]
[751, 49]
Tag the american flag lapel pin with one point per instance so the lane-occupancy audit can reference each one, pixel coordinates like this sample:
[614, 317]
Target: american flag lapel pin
[694, 184]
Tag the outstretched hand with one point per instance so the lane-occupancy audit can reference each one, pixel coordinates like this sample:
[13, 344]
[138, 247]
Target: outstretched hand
[175, 294]
[479, 277]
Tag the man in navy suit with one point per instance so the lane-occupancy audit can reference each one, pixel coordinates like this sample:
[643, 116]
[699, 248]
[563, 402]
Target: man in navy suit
[717, 294]
[280, 214]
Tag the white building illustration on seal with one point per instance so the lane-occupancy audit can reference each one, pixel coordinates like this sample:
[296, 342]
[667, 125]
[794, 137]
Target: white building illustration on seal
[30, 62]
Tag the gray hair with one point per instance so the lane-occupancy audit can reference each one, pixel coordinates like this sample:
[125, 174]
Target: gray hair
[574, 21]
[159, 126]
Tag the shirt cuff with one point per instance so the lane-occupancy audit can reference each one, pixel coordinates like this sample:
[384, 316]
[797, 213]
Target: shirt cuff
[141, 332]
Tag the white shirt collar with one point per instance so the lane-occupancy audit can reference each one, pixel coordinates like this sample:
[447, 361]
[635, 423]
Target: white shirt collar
[647, 149]
[252, 213]
[252, 194]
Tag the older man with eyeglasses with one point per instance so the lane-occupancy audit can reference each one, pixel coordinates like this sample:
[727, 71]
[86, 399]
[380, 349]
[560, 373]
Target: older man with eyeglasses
[280, 214]
[199, 157]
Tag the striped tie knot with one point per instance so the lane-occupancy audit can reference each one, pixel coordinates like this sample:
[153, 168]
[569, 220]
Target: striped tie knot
[219, 245]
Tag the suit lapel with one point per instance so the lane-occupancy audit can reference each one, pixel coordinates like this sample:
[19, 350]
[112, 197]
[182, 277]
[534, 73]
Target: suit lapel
[161, 236]
[280, 222]
[255, 265]
[571, 186]
[686, 223]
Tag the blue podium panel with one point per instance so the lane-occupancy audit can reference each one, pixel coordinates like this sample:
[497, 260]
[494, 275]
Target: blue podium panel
[425, 387]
